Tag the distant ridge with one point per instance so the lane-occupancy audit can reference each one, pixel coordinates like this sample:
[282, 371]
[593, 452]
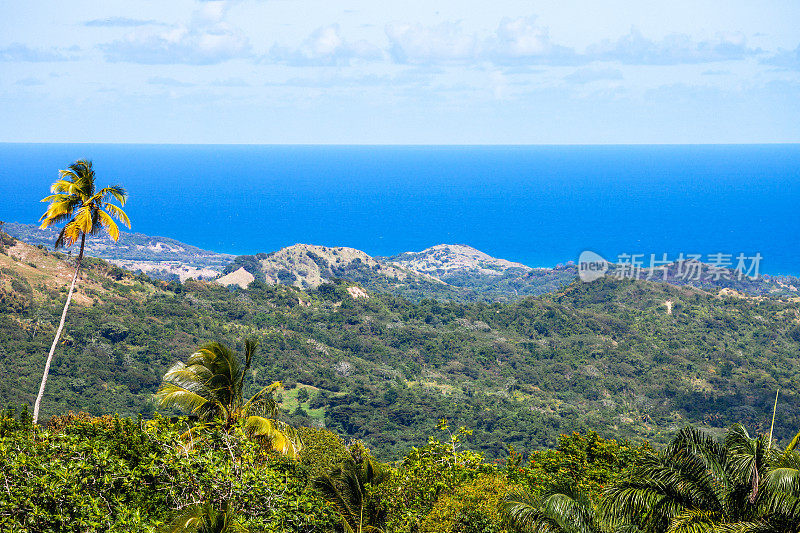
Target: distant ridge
[443, 260]
[307, 266]
[160, 257]
[445, 271]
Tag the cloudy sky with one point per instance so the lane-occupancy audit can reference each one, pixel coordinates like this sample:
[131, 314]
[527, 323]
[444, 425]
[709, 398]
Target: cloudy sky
[410, 71]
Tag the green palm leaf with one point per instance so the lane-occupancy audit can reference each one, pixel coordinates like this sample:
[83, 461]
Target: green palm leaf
[206, 519]
[210, 384]
[345, 489]
[563, 509]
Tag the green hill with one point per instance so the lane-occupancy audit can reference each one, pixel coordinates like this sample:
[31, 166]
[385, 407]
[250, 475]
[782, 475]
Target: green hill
[630, 359]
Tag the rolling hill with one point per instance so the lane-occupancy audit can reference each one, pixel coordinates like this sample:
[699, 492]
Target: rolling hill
[632, 359]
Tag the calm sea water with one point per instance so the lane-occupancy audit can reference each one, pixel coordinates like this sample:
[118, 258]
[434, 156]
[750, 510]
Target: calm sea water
[538, 205]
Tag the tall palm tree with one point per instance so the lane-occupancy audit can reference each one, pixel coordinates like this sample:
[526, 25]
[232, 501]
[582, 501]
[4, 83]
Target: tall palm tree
[698, 484]
[347, 490]
[86, 211]
[564, 509]
[210, 385]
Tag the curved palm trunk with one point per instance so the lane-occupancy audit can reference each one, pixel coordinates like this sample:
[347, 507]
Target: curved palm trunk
[58, 335]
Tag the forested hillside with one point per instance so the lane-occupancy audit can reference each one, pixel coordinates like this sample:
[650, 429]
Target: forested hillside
[631, 359]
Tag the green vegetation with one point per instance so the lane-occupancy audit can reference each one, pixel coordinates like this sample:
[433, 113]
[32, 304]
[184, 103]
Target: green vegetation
[352, 445]
[609, 356]
[85, 474]
[104, 474]
[347, 488]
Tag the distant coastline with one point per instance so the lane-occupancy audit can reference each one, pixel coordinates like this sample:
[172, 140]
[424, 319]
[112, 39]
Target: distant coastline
[536, 205]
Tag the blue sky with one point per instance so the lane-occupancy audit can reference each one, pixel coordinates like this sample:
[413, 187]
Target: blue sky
[428, 72]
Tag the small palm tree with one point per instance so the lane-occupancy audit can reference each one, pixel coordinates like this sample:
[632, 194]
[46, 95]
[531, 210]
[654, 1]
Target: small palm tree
[782, 485]
[210, 385]
[347, 490]
[86, 211]
[697, 484]
[206, 519]
[564, 509]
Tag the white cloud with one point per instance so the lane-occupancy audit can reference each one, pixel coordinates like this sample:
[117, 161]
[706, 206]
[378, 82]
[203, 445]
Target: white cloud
[169, 82]
[120, 22]
[522, 41]
[515, 41]
[444, 43]
[674, 49]
[210, 13]
[22, 53]
[325, 46]
[29, 82]
[789, 59]
[230, 82]
[206, 40]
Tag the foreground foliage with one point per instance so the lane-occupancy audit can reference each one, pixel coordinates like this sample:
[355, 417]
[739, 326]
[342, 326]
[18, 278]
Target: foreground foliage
[99, 474]
[107, 474]
[701, 484]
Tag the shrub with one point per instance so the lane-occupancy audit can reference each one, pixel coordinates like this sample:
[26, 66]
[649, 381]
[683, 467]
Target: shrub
[21, 285]
[103, 474]
[426, 473]
[470, 508]
[322, 452]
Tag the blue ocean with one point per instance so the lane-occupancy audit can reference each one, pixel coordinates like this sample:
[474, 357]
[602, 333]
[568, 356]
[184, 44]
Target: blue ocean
[539, 205]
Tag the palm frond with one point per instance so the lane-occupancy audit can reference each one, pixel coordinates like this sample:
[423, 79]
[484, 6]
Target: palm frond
[694, 521]
[210, 384]
[116, 191]
[783, 479]
[117, 213]
[205, 518]
[345, 488]
[281, 437]
[82, 175]
[46, 221]
[522, 509]
[69, 235]
[73, 201]
[65, 186]
[792, 445]
[250, 347]
[59, 210]
[562, 510]
[109, 225]
[56, 197]
[83, 219]
[171, 395]
[328, 487]
[262, 402]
